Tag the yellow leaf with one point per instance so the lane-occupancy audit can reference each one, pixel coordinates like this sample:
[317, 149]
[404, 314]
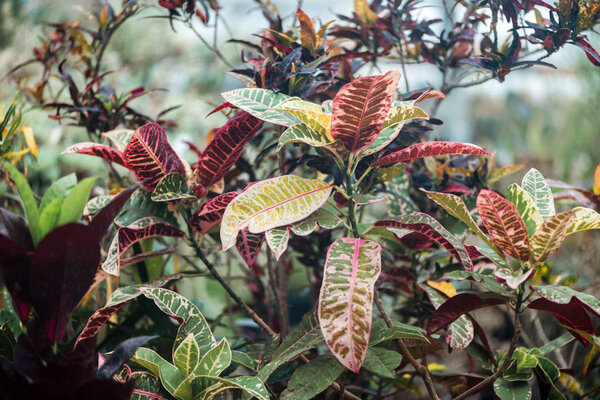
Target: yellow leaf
[597, 179]
[30, 140]
[444, 287]
[364, 12]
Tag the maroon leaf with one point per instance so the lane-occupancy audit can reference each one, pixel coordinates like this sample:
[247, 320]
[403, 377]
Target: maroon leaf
[105, 217]
[211, 212]
[248, 245]
[226, 147]
[15, 266]
[128, 236]
[429, 149]
[150, 156]
[571, 314]
[458, 305]
[98, 150]
[360, 108]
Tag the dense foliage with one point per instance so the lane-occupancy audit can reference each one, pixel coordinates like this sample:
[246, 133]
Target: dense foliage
[393, 241]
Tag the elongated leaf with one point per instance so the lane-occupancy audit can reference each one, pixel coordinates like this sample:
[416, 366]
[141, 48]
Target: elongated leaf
[398, 199]
[98, 150]
[226, 148]
[150, 156]
[360, 108]
[186, 355]
[456, 207]
[428, 226]
[170, 377]
[346, 298]
[381, 332]
[119, 137]
[308, 36]
[73, 205]
[49, 216]
[249, 384]
[302, 133]
[459, 305]
[526, 207]
[583, 219]
[29, 202]
[262, 104]
[504, 224]
[546, 241]
[215, 360]
[572, 315]
[248, 245]
[382, 362]
[564, 294]
[272, 203]
[311, 379]
[303, 337]
[172, 187]
[537, 187]
[209, 214]
[429, 149]
[59, 189]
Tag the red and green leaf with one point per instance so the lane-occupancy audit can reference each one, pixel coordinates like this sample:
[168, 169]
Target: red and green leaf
[99, 150]
[226, 147]
[360, 108]
[248, 245]
[210, 213]
[429, 149]
[504, 224]
[548, 238]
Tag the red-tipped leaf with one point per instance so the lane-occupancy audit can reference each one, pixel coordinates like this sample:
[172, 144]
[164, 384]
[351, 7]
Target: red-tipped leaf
[429, 149]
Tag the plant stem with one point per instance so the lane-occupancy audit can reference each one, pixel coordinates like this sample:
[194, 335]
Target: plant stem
[351, 208]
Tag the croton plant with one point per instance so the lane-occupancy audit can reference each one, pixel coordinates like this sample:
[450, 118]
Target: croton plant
[395, 240]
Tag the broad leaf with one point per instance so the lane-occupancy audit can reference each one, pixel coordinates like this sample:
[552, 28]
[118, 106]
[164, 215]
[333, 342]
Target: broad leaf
[271, 203]
[526, 207]
[215, 360]
[170, 377]
[59, 189]
[73, 205]
[210, 212]
[140, 205]
[583, 219]
[250, 384]
[537, 187]
[248, 245]
[262, 104]
[381, 332]
[99, 150]
[546, 241]
[150, 156]
[512, 280]
[507, 390]
[428, 226]
[226, 148]
[429, 149]
[49, 216]
[172, 187]
[186, 355]
[504, 224]
[346, 298]
[119, 137]
[29, 202]
[311, 379]
[360, 108]
[382, 362]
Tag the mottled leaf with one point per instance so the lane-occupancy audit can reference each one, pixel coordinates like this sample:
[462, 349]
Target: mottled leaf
[537, 187]
[429, 149]
[277, 240]
[583, 219]
[548, 238]
[215, 360]
[172, 187]
[170, 377]
[98, 150]
[526, 207]
[262, 104]
[186, 355]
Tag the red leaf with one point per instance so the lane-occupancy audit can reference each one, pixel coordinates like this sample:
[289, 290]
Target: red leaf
[150, 156]
[570, 314]
[458, 305]
[219, 108]
[429, 149]
[248, 245]
[128, 236]
[226, 147]
[211, 212]
[504, 224]
[360, 108]
[98, 150]
[591, 54]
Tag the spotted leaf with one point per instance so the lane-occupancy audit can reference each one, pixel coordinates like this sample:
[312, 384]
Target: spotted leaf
[210, 212]
[271, 203]
[346, 298]
[215, 360]
[429, 149]
[548, 238]
[536, 186]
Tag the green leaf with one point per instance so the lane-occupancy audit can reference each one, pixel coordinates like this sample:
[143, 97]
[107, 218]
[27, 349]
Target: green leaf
[140, 205]
[59, 189]
[243, 359]
[546, 241]
[506, 390]
[215, 360]
[382, 362]
[380, 332]
[564, 295]
[262, 104]
[29, 203]
[49, 216]
[526, 207]
[186, 355]
[556, 344]
[311, 379]
[398, 199]
[171, 187]
[583, 219]
[525, 358]
[73, 205]
[95, 204]
[512, 375]
[170, 377]
[250, 384]
[537, 187]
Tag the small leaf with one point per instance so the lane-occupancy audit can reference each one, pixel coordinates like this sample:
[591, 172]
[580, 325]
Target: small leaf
[73, 205]
[186, 355]
[277, 240]
[382, 362]
[311, 379]
[248, 245]
[215, 361]
[429, 149]
[381, 332]
[99, 150]
[537, 187]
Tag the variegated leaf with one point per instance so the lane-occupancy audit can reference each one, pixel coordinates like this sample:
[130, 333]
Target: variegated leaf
[96, 204]
[511, 280]
[262, 104]
[186, 355]
[98, 150]
[147, 387]
[346, 298]
[428, 226]
[172, 187]
[170, 377]
[277, 240]
[215, 360]
[308, 36]
[566, 295]
[548, 238]
[210, 212]
[249, 384]
[150, 156]
[316, 120]
[583, 219]
[226, 147]
[248, 245]
[429, 149]
[119, 137]
[456, 207]
[525, 206]
[397, 198]
[459, 333]
[504, 224]
[271, 203]
[296, 103]
[360, 108]
[536, 186]
[303, 133]
[140, 205]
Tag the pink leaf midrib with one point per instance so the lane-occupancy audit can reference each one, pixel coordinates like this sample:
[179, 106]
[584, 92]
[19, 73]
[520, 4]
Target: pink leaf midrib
[506, 235]
[137, 135]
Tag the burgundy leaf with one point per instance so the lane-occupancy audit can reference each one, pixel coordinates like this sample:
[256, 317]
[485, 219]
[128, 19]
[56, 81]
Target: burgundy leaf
[128, 236]
[571, 314]
[226, 147]
[150, 156]
[98, 150]
[248, 245]
[458, 305]
[15, 266]
[105, 217]
[360, 108]
[429, 149]
[211, 212]
[16, 228]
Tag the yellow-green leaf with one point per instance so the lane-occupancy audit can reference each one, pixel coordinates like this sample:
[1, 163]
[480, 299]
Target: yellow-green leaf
[526, 207]
[583, 219]
[186, 355]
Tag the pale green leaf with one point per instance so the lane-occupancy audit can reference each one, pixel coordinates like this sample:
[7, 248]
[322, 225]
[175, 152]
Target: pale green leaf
[59, 189]
[73, 205]
[29, 203]
[537, 187]
[215, 360]
[186, 355]
[262, 103]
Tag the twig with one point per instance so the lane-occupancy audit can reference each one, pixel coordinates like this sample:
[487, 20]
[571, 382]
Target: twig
[208, 45]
